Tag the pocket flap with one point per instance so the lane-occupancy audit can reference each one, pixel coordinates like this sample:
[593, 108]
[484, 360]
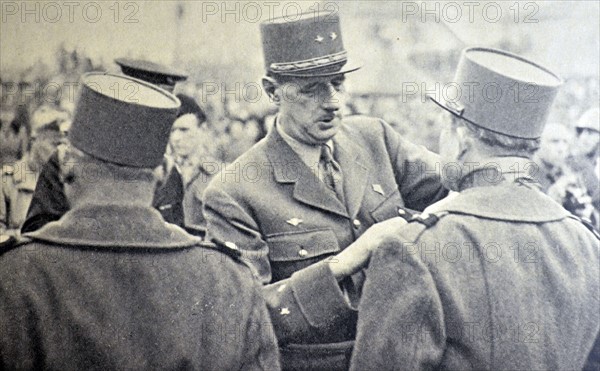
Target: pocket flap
[302, 245]
[388, 208]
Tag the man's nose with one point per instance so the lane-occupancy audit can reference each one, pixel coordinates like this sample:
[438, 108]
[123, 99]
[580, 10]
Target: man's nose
[331, 98]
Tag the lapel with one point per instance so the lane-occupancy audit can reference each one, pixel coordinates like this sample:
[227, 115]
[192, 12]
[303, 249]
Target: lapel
[355, 173]
[289, 168]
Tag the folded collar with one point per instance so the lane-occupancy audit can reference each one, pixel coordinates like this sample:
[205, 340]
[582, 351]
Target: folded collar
[114, 226]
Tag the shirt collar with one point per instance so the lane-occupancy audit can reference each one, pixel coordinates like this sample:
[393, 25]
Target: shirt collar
[309, 154]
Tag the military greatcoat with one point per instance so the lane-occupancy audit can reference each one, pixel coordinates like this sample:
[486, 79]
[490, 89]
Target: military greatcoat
[499, 277]
[115, 287]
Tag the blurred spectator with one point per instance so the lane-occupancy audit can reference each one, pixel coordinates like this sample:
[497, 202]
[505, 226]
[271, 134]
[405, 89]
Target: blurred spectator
[236, 141]
[588, 134]
[19, 180]
[556, 176]
[552, 155]
[584, 160]
[190, 143]
[46, 133]
[13, 135]
[252, 130]
[231, 122]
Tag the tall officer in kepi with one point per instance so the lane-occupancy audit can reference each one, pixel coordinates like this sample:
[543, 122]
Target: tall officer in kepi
[49, 202]
[297, 200]
[497, 276]
[111, 285]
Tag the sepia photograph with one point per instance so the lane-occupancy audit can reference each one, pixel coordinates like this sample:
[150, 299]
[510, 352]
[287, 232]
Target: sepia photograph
[300, 185]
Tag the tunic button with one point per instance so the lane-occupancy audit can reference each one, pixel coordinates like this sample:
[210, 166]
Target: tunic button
[401, 212]
[302, 252]
[356, 223]
[231, 245]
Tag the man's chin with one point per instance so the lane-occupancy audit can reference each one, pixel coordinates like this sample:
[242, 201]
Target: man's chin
[327, 132]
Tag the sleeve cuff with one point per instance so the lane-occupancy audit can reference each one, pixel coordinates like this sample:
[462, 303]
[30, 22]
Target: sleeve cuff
[319, 296]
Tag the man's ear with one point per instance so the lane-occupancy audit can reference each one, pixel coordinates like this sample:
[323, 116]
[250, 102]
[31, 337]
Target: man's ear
[271, 88]
[465, 140]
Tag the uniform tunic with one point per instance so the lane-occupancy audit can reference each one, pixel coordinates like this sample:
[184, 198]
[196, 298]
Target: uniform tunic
[193, 192]
[115, 287]
[496, 278]
[288, 222]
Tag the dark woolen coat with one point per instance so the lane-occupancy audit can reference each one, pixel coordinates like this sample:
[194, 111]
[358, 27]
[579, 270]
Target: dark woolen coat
[115, 287]
[498, 278]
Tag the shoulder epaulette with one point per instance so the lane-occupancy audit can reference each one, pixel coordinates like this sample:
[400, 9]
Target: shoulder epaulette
[418, 224]
[588, 224]
[429, 220]
[226, 247]
[406, 214]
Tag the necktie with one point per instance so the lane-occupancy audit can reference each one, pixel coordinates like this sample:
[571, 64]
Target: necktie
[331, 172]
[332, 177]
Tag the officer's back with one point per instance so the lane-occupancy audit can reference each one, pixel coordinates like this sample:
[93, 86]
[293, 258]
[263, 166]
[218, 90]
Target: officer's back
[496, 276]
[111, 285]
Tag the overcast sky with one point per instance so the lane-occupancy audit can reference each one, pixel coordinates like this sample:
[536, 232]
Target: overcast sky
[566, 34]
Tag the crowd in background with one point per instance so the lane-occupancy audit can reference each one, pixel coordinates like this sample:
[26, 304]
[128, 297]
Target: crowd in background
[233, 124]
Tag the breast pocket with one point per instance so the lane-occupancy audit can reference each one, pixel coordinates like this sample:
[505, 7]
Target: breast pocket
[292, 251]
[388, 208]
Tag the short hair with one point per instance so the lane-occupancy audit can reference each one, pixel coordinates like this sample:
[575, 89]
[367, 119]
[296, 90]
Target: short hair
[500, 144]
[190, 106]
[78, 163]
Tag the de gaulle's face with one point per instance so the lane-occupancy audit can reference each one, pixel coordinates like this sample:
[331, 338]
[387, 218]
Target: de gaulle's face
[310, 108]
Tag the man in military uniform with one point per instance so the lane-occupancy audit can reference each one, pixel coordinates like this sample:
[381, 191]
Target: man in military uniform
[49, 202]
[297, 200]
[112, 286]
[19, 178]
[497, 276]
[189, 150]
